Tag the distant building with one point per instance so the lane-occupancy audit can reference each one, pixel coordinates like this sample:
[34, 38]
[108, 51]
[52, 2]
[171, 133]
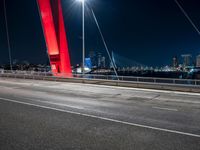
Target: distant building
[175, 62]
[97, 60]
[103, 62]
[93, 58]
[186, 60]
[198, 61]
[99, 56]
[88, 63]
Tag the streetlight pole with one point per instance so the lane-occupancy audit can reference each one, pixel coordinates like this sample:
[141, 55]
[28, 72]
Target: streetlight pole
[83, 34]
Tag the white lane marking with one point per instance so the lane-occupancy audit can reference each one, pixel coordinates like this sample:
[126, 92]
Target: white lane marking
[162, 108]
[52, 103]
[104, 118]
[65, 105]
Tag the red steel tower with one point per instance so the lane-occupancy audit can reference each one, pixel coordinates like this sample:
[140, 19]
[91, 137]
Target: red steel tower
[55, 36]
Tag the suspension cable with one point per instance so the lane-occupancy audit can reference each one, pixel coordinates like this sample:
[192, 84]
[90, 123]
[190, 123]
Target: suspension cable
[8, 38]
[104, 42]
[187, 16]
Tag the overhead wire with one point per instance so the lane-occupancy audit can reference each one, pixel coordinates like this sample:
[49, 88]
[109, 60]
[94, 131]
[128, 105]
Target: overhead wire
[187, 16]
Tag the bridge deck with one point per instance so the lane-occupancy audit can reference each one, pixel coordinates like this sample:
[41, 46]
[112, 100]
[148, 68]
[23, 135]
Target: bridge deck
[57, 115]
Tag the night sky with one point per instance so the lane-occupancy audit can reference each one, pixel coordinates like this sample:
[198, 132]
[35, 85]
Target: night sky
[150, 32]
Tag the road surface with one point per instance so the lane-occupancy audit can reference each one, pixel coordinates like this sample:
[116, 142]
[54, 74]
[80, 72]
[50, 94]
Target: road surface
[43, 115]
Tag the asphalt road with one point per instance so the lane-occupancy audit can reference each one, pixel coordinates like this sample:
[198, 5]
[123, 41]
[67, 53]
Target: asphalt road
[41, 115]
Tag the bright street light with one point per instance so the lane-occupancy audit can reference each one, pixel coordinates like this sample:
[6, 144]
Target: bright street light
[82, 1]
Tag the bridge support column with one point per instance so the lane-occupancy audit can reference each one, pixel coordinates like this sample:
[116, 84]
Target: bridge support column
[55, 36]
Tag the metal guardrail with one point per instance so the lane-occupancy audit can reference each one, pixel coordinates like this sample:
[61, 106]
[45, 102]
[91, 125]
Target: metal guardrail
[32, 75]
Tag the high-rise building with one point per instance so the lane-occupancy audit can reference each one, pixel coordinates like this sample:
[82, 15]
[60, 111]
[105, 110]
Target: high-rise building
[88, 63]
[103, 62]
[186, 60]
[99, 56]
[92, 56]
[198, 61]
[175, 62]
[97, 60]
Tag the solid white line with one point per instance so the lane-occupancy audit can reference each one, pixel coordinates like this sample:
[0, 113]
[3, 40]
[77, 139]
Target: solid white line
[103, 118]
[169, 109]
[65, 105]
[53, 103]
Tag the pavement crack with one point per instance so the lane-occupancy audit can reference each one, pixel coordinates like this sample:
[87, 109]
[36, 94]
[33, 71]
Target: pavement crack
[155, 97]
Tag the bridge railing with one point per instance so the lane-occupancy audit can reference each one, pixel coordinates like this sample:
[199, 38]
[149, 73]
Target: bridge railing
[33, 74]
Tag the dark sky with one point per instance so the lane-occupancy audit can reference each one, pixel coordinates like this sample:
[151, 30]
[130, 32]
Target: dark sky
[147, 31]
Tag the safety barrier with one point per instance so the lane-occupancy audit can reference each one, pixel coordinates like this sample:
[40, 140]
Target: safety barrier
[186, 85]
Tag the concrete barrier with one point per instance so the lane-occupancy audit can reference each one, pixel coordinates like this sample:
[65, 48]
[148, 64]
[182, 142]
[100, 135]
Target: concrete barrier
[132, 84]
